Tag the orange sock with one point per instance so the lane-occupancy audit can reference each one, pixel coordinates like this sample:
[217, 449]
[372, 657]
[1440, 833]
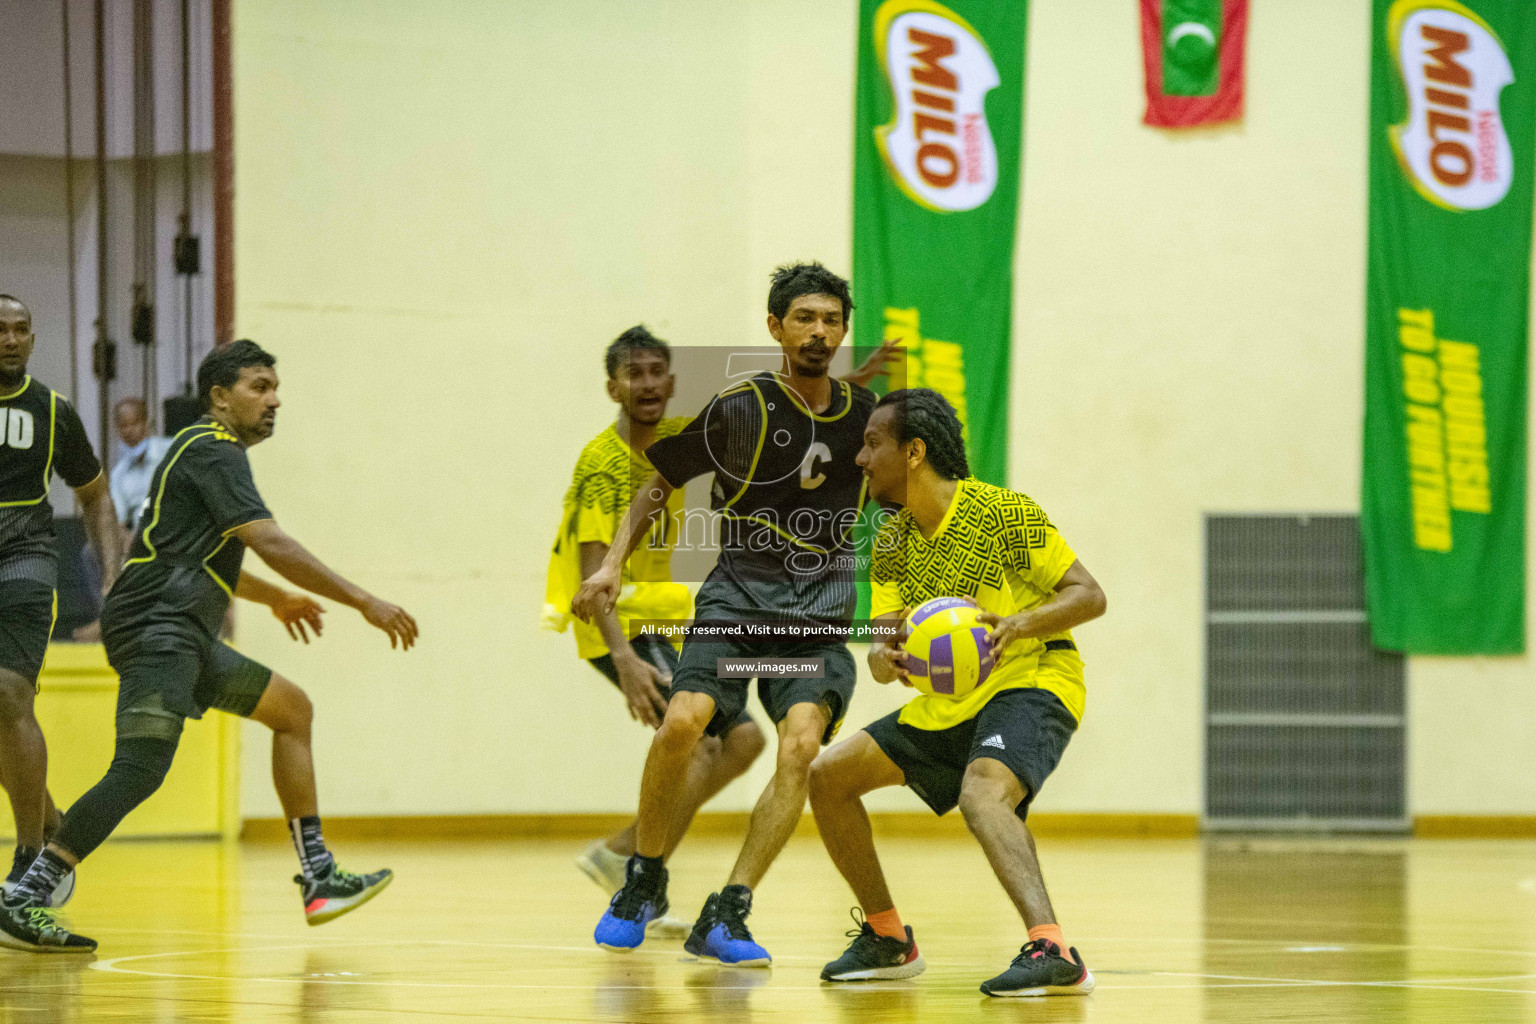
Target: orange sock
[888, 923]
[1050, 933]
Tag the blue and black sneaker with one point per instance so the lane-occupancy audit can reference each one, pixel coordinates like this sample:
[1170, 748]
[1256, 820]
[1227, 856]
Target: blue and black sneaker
[721, 931]
[641, 901]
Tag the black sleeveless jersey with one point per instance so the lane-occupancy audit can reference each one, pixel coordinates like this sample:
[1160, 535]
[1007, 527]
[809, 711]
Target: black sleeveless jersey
[40, 434]
[786, 496]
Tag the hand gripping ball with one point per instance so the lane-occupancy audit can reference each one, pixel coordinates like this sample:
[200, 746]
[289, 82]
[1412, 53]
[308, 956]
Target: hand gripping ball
[947, 649]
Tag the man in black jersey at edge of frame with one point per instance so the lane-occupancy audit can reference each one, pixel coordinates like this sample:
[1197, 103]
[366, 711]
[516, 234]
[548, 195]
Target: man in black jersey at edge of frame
[160, 628]
[787, 494]
[40, 434]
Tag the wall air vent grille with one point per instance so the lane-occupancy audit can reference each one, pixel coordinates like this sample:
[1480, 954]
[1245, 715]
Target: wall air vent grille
[1304, 718]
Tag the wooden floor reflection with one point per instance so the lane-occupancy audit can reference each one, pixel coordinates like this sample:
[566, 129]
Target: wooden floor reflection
[1215, 930]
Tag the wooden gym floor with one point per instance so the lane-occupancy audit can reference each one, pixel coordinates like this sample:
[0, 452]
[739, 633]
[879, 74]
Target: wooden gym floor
[1210, 930]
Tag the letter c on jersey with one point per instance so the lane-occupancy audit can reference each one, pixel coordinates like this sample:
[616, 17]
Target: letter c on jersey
[18, 429]
[811, 477]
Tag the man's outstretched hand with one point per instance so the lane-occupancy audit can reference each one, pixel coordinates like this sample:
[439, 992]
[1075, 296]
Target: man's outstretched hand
[392, 619]
[880, 362]
[299, 613]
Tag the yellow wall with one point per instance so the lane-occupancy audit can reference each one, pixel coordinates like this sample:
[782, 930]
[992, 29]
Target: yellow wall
[445, 211]
[77, 697]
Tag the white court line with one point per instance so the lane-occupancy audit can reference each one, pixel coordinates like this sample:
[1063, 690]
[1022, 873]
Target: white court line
[190, 931]
[1278, 944]
[1222, 980]
[1349, 947]
[1390, 983]
[594, 950]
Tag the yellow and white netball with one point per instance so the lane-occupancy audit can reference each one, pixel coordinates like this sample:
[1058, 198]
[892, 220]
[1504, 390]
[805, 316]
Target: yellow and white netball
[947, 650]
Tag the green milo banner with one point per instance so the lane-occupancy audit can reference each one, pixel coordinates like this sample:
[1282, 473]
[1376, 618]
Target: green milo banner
[936, 192]
[1453, 109]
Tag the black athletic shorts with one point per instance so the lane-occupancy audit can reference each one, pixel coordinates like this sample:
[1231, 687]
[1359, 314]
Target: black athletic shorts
[1025, 728]
[156, 690]
[696, 674]
[26, 623]
[660, 653]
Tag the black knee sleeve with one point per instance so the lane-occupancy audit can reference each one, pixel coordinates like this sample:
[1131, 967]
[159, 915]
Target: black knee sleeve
[138, 768]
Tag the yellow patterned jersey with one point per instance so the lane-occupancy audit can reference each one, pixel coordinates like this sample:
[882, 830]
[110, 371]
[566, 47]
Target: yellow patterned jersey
[607, 476]
[996, 546]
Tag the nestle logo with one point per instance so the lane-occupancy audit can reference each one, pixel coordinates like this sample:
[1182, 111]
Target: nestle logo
[1453, 146]
[939, 147]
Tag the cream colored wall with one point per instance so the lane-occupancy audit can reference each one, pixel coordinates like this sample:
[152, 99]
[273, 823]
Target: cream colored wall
[442, 222]
[444, 212]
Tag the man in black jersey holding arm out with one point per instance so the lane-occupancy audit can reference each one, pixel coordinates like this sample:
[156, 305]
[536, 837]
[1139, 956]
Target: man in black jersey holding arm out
[787, 493]
[40, 434]
[160, 627]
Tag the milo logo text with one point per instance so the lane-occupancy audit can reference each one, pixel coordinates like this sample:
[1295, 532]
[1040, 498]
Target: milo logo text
[1453, 147]
[939, 147]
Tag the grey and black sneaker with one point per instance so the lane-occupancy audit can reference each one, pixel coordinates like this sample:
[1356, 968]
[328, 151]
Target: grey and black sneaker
[21, 861]
[339, 892]
[875, 957]
[721, 933]
[1041, 970]
[35, 930]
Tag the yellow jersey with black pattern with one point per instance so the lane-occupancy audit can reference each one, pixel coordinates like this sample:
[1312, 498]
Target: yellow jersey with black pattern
[184, 562]
[608, 475]
[998, 547]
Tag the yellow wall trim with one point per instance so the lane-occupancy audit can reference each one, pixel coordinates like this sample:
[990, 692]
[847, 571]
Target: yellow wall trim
[1475, 826]
[577, 826]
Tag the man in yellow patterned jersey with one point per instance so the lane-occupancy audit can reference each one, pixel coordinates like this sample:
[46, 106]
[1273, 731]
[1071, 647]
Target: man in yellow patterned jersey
[611, 468]
[991, 750]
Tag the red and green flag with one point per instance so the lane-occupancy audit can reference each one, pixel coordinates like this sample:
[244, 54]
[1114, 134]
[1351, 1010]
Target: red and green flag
[1193, 57]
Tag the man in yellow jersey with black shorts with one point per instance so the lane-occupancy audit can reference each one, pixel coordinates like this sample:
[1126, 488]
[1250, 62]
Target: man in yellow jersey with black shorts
[991, 750]
[611, 469]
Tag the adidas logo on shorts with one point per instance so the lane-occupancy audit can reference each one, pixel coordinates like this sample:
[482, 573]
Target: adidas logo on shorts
[994, 740]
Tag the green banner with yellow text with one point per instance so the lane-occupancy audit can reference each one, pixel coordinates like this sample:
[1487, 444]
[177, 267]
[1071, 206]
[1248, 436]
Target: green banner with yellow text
[1453, 113]
[936, 190]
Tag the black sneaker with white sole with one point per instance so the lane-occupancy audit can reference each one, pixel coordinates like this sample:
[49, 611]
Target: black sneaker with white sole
[36, 930]
[875, 957]
[1041, 970]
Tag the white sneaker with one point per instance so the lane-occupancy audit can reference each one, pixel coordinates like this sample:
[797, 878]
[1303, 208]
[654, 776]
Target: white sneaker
[603, 866]
[61, 895]
[668, 927]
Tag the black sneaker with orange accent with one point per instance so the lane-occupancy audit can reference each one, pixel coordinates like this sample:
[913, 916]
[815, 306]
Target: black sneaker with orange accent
[875, 957]
[339, 892]
[1041, 970]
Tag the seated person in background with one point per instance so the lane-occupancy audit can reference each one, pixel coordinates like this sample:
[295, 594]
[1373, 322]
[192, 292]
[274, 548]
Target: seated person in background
[129, 483]
[141, 454]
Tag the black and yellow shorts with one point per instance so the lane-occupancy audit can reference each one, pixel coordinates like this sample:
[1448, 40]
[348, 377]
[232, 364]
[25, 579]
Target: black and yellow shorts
[26, 624]
[158, 689]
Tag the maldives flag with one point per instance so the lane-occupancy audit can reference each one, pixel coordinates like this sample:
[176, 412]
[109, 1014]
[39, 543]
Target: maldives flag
[1193, 52]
